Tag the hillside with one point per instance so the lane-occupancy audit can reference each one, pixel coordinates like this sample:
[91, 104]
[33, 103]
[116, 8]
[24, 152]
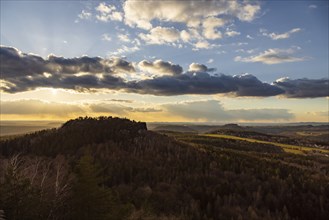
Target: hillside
[112, 168]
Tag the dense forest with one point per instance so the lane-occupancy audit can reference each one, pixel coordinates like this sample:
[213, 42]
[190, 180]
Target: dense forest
[112, 168]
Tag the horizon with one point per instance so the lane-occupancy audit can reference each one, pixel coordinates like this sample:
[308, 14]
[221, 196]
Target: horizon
[243, 62]
[178, 122]
[20, 127]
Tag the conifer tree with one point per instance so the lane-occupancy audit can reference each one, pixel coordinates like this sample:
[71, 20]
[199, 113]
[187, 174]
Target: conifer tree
[90, 200]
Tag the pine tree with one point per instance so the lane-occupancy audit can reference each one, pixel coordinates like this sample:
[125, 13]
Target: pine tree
[90, 200]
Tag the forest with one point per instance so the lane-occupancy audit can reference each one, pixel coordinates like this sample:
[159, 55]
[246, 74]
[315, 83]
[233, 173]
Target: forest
[115, 168]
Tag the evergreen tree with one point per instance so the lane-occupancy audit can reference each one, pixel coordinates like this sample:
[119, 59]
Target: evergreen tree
[90, 200]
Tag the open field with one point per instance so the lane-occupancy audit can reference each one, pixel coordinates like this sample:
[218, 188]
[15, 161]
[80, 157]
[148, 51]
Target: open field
[286, 147]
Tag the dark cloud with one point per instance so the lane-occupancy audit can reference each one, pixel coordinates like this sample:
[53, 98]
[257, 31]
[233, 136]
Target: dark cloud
[160, 67]
[204, 83]
[119, 65]
[15, 63]
[212, 110]
[76, 65]
[249, 85]
[304, 88]
[23, 72]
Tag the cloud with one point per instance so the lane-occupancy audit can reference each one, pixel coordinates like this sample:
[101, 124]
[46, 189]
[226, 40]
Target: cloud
[198, 21]
[262, 114]
[15, 63]
[204, 83]
[202, 45]
[121, 100]
[125, 49]
[272, 56]
[161, 35]
[249, 37]
[85, 15]
[210, 60]
[23, 72]
[205, 110]
[313, 6]
[34, 107]
[119, 109]
[321, 113]
[124, 37]
[249, 85]
[146, 110]
[191, 13]
[275, 36]
[210, 24]
[196, 67]
[160, 67]
[107, 12]
[20, 71]
[304, 88]
[30, 107]
[109, 108]
[106, 37]
[212, 110]
[231, 33]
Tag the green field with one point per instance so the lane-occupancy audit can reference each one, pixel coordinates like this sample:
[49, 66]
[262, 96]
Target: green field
[286, 147]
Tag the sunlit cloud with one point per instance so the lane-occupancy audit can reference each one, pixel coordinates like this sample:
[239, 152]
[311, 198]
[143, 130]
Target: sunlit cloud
[124, 37]
[212, 110]
[272, 56]
[275, 36]
[191, 13]
[161, 35]
[207, 110]
[37, 107]
[125, 50]
[107, 12]
[232, 33]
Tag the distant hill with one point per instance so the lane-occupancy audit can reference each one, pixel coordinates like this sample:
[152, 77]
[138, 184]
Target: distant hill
[177, 128]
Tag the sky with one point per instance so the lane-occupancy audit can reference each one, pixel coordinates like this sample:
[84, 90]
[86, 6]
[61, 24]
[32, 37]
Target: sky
[165, 61]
